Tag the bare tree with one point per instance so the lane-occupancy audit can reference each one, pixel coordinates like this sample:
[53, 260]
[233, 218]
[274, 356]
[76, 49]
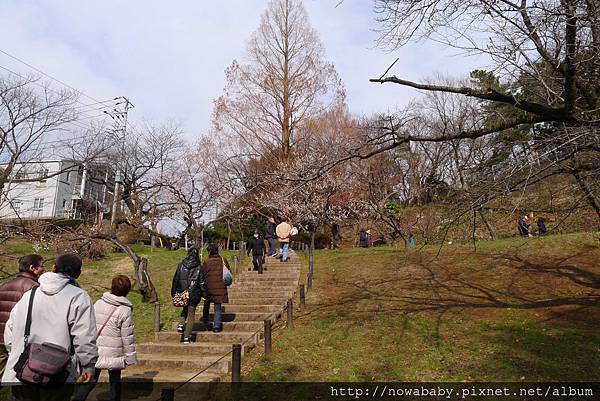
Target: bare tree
[145, 159]
[27, 117]
[284, 83]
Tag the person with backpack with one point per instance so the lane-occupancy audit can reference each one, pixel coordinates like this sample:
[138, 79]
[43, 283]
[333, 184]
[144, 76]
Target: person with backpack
[541, 223]
[51, 336]
[185, 294]
[115, 341]
[213, 269]
[31, 268]
[523, 226]
[256, 246]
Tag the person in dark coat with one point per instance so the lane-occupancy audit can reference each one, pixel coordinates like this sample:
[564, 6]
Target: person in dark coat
[270, 236]
[363, 238]
[256, 245]
[217, 291]
[541, 223]
[523, 226]
[30, 268]
[188, 273]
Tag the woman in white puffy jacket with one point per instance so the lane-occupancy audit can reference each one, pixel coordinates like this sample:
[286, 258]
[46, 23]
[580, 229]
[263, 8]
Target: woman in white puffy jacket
[116, 344]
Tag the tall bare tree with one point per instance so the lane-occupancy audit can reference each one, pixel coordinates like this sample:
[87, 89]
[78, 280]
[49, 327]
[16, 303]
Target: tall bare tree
[284, 82]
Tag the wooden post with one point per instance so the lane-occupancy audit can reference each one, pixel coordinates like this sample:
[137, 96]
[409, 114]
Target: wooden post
[268, 343]
[311, 266]
[242, 251]
[290, 314]
[235, 264]
[302, 297]
[156, 316]
[167, 394]
[236, 363]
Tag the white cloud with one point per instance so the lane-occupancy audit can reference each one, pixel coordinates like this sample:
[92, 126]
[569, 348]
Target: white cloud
[169, 57]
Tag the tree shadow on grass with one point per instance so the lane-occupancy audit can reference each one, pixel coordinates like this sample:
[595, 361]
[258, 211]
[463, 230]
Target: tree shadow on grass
[529, 352]
[561, 290]
[500, 281]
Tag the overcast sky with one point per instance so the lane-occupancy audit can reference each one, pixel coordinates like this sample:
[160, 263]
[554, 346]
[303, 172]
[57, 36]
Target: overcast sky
[169, 57]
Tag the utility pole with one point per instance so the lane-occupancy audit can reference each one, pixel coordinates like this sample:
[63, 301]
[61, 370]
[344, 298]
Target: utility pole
[119, 175]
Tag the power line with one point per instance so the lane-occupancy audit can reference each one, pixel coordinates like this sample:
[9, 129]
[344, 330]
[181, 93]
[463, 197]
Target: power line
[47, 75]
[114, 114]
[56, 92]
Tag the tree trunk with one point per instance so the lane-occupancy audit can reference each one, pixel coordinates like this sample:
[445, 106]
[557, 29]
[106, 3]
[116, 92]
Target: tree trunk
[589, 194]
[335, 236]
[140, 267]
[488, 225]
[143, 278]
[228, 234]
[286, 128]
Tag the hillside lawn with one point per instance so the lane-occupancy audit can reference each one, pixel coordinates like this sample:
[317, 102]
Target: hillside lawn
[96, 279]
[449, 314]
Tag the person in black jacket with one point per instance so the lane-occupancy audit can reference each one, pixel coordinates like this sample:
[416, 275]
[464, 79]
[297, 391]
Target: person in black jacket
[256, 245]
[541, 223]
[189, 277]
[270, 236]
[523, 226]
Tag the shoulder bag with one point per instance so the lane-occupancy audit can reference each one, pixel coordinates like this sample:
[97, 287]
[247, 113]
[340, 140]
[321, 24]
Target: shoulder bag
[227, 277]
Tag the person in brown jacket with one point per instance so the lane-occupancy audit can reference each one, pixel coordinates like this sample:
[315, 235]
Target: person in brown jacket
[30, 268]
[217, 291]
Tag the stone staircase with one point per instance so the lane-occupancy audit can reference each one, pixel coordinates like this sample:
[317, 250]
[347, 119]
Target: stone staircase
[253, 298]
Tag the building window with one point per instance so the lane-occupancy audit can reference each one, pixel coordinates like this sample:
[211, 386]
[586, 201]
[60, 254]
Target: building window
[20, 175]
[43, 173]
[16, 206]
[38, 205]
[64, 203]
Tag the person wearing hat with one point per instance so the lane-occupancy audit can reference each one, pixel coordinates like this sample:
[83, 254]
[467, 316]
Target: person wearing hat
[257, 246]
[523, 226]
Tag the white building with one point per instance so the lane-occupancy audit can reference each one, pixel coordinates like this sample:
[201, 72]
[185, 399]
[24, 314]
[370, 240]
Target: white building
[58, 189]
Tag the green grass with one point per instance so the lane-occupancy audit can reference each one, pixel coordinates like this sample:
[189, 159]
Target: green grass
[379, 314]
[97, 275]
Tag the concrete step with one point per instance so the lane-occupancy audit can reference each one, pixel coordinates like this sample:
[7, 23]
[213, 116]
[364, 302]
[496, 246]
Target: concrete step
[227, 308]
[212, 363]
[270, 283]
[233, 337]
[287, 275]
[262, 279]
[238, 316]
[260, 285]
[250, 293]
[227, 326]
[282, 301]
[188, 349]
[134, 374]
[237, 308]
